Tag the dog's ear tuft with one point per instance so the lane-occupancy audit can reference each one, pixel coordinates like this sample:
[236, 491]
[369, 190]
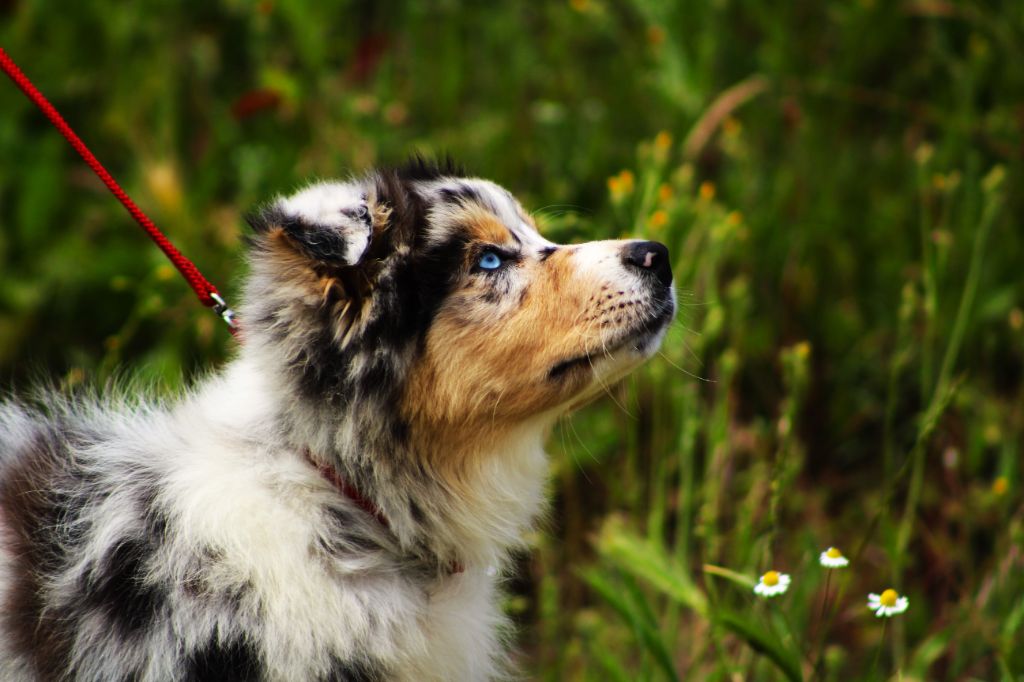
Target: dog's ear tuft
[262, 220]
[421, 168]
[329, 222]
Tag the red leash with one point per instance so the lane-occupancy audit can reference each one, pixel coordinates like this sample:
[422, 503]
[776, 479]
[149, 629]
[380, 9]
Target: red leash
[206, 292]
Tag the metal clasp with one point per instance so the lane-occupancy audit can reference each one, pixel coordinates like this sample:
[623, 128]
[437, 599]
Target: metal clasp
[221, 308]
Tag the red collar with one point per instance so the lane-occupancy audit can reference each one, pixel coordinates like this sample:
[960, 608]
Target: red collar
[348, 490]
[351, 492]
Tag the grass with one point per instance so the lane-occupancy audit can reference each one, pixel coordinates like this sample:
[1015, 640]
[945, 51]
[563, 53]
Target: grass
[838, 183]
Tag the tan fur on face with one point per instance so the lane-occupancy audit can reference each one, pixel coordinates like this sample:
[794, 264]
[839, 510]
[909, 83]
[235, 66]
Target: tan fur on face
[489, 357]
[483, 227]
[487, 363]
[306, 286]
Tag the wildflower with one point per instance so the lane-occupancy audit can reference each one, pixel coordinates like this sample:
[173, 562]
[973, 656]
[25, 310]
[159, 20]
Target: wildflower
[707, 190]
[621, 185]
[1000, 486]
[833, 558]
[889, 603]
[664, 193]
[626, 178]
[661, 146]
[164, 183]
[659, 219]
[771, 584]
[655, 35]
[1016, 319]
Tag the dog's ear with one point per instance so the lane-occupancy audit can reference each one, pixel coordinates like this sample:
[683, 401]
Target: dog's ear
[329, 222]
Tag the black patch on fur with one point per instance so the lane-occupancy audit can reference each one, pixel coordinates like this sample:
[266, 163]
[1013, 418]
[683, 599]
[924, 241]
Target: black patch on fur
[235, 661]
[347, 532]
[546, 252]
[407, 301]
[354, 670]
[461, 194]
[322, 243]
[416, 512]
[322, 367]
[119, 589]
[39, 520]
[436, 272]
[399, 431]
[380, 371]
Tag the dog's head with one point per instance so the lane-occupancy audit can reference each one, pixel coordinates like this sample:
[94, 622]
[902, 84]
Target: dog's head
[432, 298]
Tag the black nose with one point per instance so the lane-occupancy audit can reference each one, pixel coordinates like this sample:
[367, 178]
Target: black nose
[651, 257]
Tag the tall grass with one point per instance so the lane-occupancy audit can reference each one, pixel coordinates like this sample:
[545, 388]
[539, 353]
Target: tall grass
[686, 595]
[838, 183]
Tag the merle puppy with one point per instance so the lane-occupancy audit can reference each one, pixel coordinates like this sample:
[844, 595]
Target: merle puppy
[338, 503]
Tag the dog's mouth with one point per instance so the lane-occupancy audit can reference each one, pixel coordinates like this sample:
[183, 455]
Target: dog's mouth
[641, 339]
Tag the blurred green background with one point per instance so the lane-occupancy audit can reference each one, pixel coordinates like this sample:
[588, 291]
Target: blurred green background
[839, 182]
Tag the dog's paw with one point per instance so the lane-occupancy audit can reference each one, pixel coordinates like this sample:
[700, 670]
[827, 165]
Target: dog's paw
[331, 220]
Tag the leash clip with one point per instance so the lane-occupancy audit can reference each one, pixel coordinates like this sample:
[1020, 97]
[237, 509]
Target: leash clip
[220, 307]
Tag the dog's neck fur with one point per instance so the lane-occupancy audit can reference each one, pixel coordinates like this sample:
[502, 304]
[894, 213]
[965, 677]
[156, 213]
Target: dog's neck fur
[473, 520]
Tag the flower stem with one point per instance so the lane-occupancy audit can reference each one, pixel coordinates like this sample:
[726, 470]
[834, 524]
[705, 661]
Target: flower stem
[878, 652]
[819, 654]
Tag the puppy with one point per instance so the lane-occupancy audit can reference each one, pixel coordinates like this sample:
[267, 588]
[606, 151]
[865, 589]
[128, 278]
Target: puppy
[339, 502]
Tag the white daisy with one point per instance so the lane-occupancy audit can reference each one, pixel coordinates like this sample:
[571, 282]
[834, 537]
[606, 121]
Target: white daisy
[771, 584]
[833, 558]
[889, 603]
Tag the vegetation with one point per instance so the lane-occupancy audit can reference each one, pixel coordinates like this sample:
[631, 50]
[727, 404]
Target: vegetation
[838, 182]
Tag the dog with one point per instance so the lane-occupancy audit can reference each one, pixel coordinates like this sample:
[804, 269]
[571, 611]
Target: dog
[338, 503]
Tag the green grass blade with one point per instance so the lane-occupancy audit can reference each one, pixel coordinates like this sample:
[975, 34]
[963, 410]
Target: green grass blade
[649, 562]
[632, 606]
[761, 642]
[744, 581]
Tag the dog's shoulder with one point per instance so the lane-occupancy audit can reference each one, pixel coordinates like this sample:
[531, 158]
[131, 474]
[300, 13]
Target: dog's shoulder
[157, 541]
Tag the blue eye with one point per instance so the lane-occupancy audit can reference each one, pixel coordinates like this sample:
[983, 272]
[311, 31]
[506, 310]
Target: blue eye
[489, 261]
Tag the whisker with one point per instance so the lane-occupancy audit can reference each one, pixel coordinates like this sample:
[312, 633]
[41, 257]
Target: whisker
[607, 389]
[583, 471]
[686, 372]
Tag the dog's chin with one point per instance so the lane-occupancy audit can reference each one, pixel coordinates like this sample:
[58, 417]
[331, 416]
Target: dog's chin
[593, 372]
